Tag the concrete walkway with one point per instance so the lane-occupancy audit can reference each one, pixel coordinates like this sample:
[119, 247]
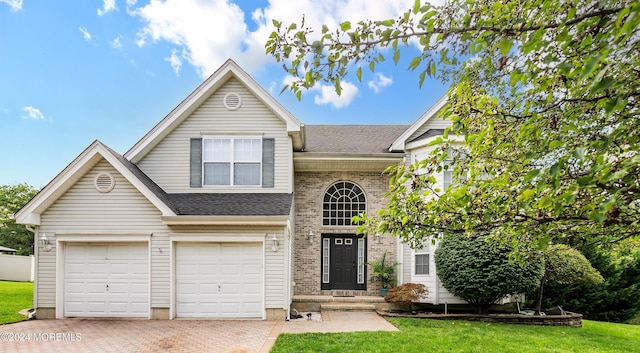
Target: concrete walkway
[133, 335]
[341, 321]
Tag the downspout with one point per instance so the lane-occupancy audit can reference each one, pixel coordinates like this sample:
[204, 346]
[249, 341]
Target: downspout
[303, 136]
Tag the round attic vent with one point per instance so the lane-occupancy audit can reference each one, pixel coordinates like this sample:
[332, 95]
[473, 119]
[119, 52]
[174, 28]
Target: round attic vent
[232, 101]
[104, 182]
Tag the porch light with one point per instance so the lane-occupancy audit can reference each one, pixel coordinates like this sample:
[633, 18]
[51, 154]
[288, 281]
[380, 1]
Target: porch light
[310, 236]
[274, 243]
[44, 241]
[378, 238]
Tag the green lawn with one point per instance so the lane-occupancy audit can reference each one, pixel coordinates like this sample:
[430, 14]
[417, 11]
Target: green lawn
[14, 296]
[420, 335]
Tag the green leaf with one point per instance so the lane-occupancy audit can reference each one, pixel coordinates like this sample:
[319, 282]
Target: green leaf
[387, 23]
[345, 26]
[505, 46]
[359, 73]
[527, 194]
[531, 174]
[415, 62]
[396, 56]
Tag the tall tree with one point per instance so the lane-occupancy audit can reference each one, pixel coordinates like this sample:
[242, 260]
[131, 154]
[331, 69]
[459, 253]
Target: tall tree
[12, 235]
[545, 94]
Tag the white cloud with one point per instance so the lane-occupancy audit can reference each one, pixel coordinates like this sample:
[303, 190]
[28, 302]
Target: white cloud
[379, 82]
[328, 95]
[33, 113]
[115, 43]
[175, 61]
[85, 33]
[209, 32]
[107, 6]
[15, 5]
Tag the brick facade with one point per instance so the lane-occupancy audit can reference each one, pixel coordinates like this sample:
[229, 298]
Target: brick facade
[309, 192]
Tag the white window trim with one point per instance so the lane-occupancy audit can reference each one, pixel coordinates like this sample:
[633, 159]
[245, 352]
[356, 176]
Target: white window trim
[326, 255]
[428, 249]
[232, 162]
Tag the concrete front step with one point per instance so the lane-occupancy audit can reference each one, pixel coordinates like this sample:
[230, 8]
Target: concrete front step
[347, 307]
[304, 303]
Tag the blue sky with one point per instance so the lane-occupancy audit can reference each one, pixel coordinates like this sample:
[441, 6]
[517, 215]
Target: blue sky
[72, 72]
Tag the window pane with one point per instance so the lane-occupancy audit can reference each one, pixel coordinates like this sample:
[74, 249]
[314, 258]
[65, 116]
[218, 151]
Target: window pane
[217, 173]
[422, 264]
[246, 174]
[247, 150]
[216, 150]
[446, 179]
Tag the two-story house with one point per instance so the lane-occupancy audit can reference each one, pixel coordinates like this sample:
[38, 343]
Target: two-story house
[228, 208]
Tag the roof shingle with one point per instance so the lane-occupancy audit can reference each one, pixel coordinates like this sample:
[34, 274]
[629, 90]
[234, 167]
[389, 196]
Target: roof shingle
[353, 139]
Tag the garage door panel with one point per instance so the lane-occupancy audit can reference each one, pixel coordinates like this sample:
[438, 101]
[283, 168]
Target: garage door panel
[106, 280]
[223, 281]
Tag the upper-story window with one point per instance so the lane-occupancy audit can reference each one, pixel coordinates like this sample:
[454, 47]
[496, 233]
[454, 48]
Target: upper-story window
[341, 202]
[232, 161]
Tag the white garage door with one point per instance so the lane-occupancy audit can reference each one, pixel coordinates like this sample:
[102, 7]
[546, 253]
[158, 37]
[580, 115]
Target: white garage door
[106, 280]
[219, 280]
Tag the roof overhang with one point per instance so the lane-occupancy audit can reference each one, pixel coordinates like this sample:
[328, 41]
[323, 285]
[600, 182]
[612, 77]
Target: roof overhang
[200, 95]
[226, 220]
[322, 162]
[30, 213]
[427, 141]
[399, 143]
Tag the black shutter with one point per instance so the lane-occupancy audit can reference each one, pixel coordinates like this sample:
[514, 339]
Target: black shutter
[268, 147]
[195, 165]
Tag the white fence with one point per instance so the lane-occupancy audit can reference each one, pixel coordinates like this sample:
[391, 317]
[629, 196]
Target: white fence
[17, 268]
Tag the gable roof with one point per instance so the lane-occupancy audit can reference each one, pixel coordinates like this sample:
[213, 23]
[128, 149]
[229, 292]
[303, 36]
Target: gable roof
[30, 213]
[351, 139]
[399, 143]
[200, 95]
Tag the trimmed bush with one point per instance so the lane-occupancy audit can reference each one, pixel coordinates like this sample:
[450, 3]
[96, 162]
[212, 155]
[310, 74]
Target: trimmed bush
[481, 272]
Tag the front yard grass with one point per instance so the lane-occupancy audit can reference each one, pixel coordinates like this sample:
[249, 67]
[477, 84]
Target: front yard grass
[422, 335]
[14, 296]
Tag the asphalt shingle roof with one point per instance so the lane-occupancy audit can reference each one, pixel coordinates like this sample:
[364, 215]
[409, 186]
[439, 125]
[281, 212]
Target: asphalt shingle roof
[355, 139]
[231, 204]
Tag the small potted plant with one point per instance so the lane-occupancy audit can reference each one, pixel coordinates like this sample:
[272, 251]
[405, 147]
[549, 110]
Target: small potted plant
[383, 273]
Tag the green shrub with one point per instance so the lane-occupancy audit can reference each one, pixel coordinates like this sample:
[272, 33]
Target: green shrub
[481, 272]
[617, 299]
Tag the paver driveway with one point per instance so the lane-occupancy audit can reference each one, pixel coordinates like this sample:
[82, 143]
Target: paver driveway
[94, 335]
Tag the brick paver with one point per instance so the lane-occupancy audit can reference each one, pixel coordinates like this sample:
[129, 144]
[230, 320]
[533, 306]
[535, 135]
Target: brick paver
[107, 336]
[193, 336]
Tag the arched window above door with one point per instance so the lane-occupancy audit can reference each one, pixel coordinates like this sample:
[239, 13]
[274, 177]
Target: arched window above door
[342, 201]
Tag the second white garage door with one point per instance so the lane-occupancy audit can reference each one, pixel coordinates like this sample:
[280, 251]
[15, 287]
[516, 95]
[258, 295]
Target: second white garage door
[219, 280]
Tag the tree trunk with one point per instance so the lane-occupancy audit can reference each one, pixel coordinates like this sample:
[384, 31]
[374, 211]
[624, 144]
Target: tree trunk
[539, 298]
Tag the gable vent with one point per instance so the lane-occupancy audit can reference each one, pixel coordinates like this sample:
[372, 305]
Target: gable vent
[232, 101]
[104, 182]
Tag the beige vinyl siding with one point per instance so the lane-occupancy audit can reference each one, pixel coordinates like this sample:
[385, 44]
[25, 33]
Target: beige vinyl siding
[84, 210]
[407, 263]
[168, 163]
[274, 281]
